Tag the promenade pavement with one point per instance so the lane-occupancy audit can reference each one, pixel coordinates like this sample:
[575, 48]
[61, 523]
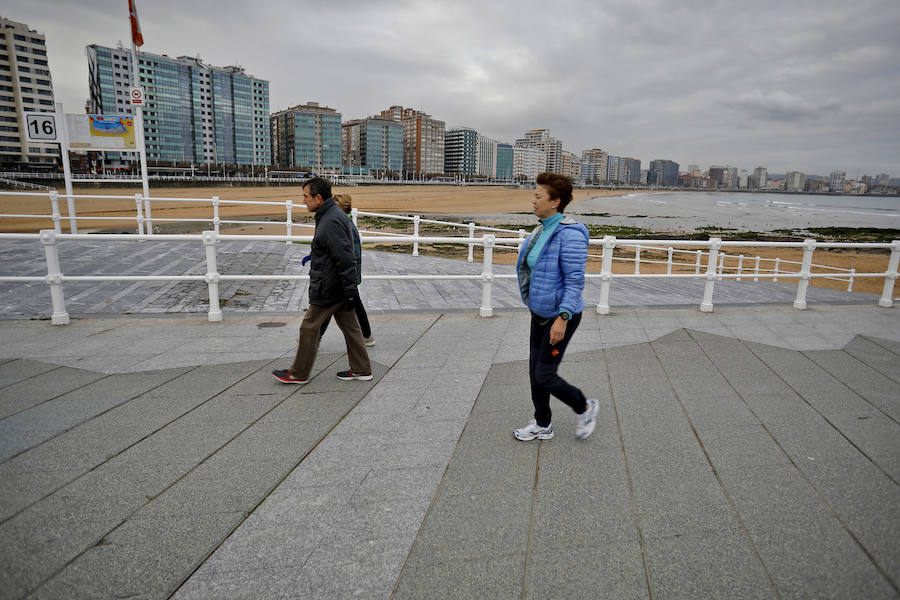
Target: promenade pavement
[751, 452]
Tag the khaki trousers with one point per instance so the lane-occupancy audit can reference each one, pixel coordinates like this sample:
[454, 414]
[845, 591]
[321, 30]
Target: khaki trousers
[308, 346]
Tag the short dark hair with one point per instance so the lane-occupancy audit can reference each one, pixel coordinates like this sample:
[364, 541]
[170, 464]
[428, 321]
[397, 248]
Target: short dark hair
[558, 186]
[318, 185]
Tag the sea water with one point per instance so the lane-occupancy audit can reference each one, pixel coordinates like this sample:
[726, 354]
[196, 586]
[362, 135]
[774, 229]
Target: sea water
[683, 211]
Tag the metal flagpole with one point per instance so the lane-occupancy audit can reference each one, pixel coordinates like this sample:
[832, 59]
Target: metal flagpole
[138, 109]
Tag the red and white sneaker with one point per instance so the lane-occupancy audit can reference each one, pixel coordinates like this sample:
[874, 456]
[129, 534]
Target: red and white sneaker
[350, 375]
[285, 376]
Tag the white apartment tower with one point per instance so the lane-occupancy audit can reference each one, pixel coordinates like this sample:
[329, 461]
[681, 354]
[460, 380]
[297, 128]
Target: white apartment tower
[760, 178]
[528, 163]
[837, 181]
[541, 139]
[794, 181]
[25, 86]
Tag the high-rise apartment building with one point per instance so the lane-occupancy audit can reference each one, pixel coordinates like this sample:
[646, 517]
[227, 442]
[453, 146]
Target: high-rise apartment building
[570, 166]
[541, 139]
[193, 112]
[837, 181]
[794, 181]
[460, 151]
[372, 144]
[760, 178]
[504, 161]
[307, 136]
[423, 139]
[486, 157]
[664, 172]
[594, 164]
[632, 170]
[25, 86]
[615, 169]
[528, 163]
[882, 179]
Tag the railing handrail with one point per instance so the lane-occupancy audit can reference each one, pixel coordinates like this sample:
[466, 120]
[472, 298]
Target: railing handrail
[50, 240]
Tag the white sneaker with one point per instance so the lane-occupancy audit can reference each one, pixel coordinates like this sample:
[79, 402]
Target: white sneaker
[369, 341]
[533, 430]
[584, 423]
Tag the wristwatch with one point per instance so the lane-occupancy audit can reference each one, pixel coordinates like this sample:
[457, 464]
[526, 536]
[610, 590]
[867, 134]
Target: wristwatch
[564, 315]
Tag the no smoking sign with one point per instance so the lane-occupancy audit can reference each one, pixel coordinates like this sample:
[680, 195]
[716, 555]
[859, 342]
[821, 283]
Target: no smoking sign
[137, 96]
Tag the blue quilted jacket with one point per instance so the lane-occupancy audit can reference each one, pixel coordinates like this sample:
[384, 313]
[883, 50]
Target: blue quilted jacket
[557, 281]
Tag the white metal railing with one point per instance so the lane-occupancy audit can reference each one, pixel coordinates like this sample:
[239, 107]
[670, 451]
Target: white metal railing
[55, 279]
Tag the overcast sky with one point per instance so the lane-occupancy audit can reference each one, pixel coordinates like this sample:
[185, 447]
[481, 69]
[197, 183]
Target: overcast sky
[800, 85]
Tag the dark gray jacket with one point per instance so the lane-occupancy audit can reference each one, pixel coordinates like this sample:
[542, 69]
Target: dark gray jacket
[333, 273]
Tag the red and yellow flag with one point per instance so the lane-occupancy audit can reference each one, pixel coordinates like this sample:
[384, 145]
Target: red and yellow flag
[136, 36]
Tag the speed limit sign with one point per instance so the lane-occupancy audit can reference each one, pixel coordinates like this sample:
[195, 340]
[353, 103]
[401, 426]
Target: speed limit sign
[41, 127]
[137, 96]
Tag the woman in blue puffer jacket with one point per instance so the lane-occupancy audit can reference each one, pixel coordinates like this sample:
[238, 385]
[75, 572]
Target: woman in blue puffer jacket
[551, 279]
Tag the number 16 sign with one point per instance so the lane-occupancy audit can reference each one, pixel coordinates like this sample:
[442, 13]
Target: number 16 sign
[41, 127]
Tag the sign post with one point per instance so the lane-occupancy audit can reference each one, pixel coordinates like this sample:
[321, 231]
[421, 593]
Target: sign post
[67, 169]
[137, 102]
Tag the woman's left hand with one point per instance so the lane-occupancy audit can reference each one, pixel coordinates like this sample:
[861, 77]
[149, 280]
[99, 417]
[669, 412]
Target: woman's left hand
[557, 331]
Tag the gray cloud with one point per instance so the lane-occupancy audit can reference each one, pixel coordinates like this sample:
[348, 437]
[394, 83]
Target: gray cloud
[811, 85]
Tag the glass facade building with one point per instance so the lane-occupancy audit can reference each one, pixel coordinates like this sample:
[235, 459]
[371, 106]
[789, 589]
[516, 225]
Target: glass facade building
[372, 145]
[461, 151]
[307, 136]
[193, 112]
[504, 162]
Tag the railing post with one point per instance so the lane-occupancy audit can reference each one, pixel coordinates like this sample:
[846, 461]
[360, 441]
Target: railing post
[609, 246]
[777, 262]
[73, 222]
[637, 260]
[721, 263]
[416, 235]
[471, 246]
[289, 218]
[809, 246]
[212, 275]
[890, 277]
[699, 260]
[354, 214]
[54, 207]
[850, 281]
[521, 234]
[139, 206]
[215, 203]
[756, 270]
[714, 245]
[54, 278]
[740, 268]
[148, 218]
[669, 261]
[487, 275]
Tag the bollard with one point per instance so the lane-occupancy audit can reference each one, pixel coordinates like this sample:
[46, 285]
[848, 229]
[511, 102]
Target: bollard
[609, 245]
[487, 275]
[809, 246]
[212, 276]
[54, 206]
[416, 235]
[890, 277]
[54, 278]
[714, 245]
[140, 214]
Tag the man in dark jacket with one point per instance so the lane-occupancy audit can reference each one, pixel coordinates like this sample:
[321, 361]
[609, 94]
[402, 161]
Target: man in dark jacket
[332, 289]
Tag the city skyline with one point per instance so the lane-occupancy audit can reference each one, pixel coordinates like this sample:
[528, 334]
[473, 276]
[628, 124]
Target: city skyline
[807, 87]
